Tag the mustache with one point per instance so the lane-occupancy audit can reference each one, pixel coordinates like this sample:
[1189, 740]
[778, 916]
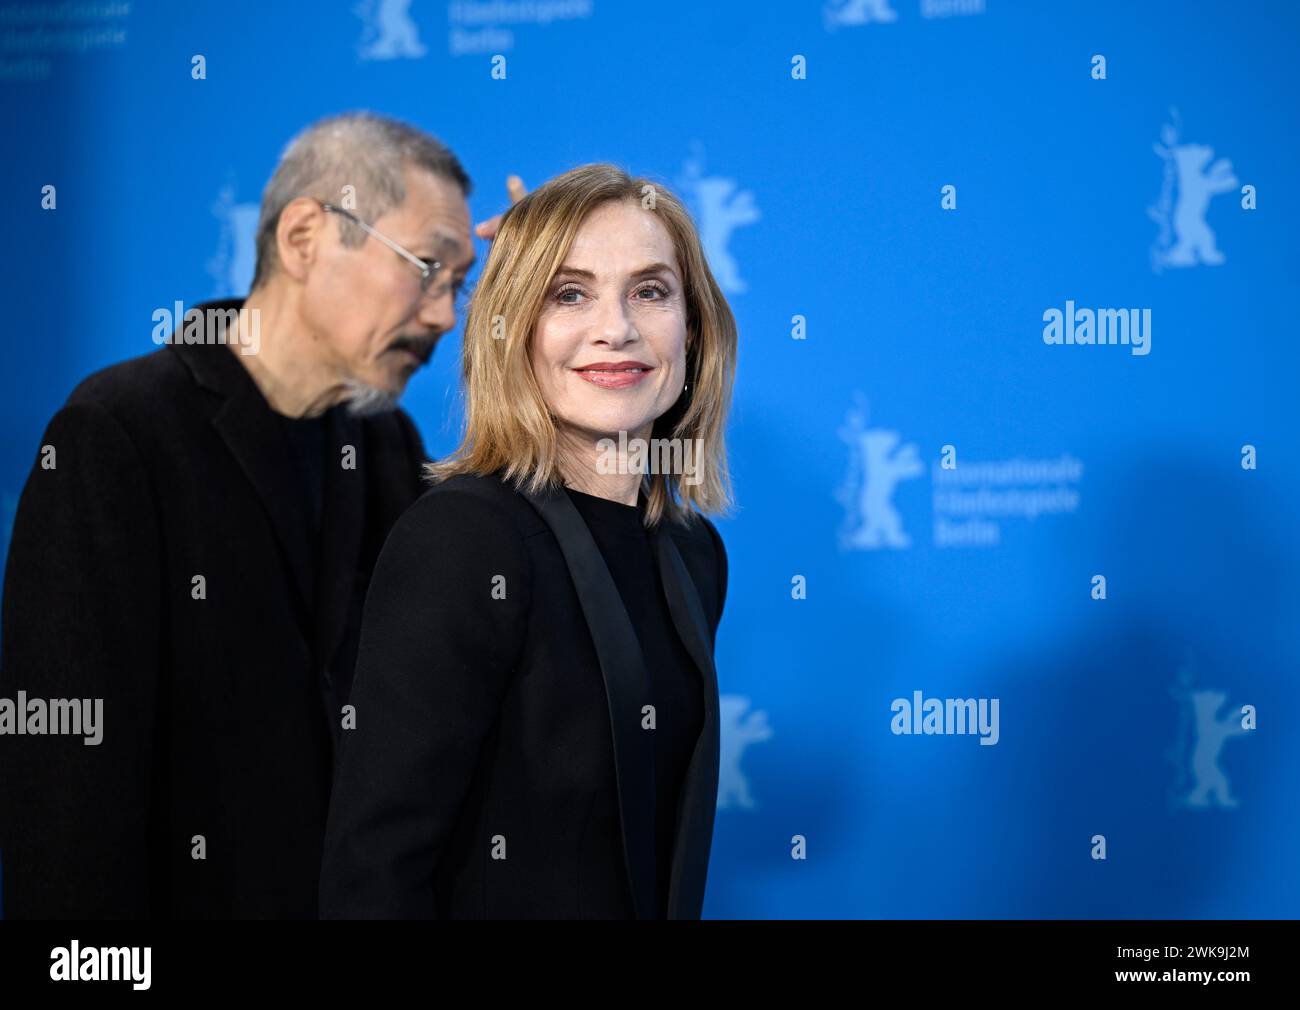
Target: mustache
[419, 345]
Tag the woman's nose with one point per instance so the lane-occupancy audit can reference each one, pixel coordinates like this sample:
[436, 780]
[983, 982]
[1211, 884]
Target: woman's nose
[616, 327]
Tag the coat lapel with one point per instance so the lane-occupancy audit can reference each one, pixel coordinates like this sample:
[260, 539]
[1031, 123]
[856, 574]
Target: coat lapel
[270, 469]
[626, 688]
[247, 425]
[699, 795]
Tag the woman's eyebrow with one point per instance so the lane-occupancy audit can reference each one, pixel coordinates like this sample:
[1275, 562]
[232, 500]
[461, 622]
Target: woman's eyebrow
[652, 268]
[655, 268]
[567, 271]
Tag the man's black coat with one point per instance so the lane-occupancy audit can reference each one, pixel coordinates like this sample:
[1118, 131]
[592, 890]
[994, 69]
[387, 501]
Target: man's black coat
[221, 695]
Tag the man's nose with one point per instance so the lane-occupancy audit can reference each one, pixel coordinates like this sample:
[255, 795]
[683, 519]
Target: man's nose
[439, 314]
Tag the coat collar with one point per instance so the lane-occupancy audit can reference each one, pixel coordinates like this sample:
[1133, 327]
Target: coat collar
[699, 797]
[627, 688]
[249, 428]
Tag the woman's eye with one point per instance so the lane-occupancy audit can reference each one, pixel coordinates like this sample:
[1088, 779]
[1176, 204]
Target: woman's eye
[563, 296]
[655, 290]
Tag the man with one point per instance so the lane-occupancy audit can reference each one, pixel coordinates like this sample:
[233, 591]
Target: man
[193, 546]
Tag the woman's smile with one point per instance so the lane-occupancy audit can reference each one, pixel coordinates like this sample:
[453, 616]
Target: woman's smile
[614, 374]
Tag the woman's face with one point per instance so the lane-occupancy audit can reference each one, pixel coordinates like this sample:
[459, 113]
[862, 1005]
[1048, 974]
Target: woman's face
[609, 348]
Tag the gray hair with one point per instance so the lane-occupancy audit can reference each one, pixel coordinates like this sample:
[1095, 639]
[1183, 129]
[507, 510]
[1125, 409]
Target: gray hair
[363, 399]
[360, 149]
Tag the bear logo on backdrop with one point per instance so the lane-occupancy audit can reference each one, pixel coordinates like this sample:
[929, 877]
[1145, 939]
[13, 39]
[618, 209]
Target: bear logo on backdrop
[719, 209]
[1185, 238]
[877, 465]
[858, 12]
[1204, 726]
[389, 32]
[738, 731]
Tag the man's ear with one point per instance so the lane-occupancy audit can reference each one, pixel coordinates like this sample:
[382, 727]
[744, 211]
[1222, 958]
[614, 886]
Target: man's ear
[298, 234]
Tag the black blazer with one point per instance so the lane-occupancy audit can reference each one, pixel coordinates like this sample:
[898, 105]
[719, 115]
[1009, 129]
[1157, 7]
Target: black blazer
[498, 768]
[220, 714]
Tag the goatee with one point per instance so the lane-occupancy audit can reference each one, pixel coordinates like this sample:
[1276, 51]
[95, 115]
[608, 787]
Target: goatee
[363, 399]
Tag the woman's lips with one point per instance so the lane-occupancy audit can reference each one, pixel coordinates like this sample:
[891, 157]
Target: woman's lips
[614, 376]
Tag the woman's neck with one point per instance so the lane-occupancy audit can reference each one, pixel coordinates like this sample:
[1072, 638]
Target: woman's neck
[600, 470]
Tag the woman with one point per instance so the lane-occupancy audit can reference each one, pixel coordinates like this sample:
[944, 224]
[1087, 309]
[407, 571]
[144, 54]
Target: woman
[536, 709]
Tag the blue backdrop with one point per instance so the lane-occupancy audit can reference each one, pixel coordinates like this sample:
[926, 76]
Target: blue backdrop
[928, 488]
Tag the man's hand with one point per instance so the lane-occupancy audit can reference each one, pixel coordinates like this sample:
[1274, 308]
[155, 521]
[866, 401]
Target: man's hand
[488, 229]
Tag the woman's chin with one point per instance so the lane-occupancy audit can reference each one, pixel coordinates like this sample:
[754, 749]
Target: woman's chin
[632, 427]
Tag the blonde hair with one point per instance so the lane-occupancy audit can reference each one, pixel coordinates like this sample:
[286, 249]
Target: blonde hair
[508, 426]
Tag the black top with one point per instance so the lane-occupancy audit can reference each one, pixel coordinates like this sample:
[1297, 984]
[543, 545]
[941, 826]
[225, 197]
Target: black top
[306, 436]
[620, 535]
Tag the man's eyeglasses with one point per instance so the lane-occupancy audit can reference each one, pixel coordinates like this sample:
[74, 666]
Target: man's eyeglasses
[428, 268]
